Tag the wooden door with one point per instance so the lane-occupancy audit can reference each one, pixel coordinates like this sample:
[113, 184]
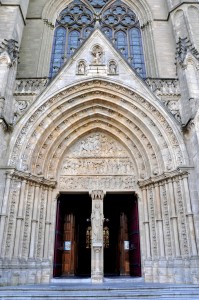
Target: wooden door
[69, 246]
[134, 241]
[57, 266]
[124, 250]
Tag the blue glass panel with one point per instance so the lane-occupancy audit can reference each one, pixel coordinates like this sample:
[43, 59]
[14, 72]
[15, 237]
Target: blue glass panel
[107, 31]
[59, 44]
[121, 42]
[73, 41]
[137, 51]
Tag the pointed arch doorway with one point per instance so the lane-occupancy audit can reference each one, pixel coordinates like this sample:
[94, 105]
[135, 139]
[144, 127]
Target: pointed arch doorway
[121, 241]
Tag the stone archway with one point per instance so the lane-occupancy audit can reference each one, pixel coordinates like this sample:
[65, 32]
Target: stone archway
[151, 145]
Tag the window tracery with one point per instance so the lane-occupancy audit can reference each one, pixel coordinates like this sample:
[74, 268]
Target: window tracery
[118, 22]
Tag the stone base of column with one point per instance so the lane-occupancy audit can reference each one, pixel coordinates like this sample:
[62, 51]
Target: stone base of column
[97, 279]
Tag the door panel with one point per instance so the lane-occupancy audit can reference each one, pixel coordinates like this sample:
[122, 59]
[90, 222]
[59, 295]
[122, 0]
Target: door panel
[68, 256]
[134, 241]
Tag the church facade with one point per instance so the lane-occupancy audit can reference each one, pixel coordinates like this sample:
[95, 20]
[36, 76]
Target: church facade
[99, 140]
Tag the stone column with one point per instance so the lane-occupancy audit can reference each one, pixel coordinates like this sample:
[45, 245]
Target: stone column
[146, 223]
[20, 218]
[3, 209]
[97, 249]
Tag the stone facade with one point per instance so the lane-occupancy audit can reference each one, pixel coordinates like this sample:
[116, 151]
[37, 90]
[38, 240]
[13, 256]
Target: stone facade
[98, 127]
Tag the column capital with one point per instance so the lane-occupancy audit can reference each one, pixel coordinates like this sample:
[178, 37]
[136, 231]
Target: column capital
[97, 194]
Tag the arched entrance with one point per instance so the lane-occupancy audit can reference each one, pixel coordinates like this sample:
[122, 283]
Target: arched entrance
[73, 235]
[88, 137]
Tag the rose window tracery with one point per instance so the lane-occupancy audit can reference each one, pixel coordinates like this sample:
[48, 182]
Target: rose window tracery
[116, 20]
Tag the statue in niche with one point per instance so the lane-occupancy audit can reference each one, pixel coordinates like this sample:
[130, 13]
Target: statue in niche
[97, 55]
[81, 68]
[112, 67]
[97, 222]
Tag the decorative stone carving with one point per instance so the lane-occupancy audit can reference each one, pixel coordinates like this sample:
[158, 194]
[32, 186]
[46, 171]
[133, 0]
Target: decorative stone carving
[97, 219]
[97, 144]
[97, 166]
[184, 46]
[97, 53]
[2, 101]
[152, 112]
[152, 223]
[112, 68]
[30, 86]
[9, 47]
[97, 161]
[168, 91]
[81, 68]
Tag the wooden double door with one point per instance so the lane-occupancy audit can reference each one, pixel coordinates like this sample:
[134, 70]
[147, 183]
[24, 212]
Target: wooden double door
[72, 255]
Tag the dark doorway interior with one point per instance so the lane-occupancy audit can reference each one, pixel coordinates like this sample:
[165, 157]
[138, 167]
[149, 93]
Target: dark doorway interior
[72, 254]
[73, 236]
[122, 257]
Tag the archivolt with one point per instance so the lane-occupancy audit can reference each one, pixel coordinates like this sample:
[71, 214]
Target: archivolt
[154, 143]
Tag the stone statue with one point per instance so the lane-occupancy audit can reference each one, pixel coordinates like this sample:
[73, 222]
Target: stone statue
[97, 55]
[81, 69]
[112, 67]
[97, 222]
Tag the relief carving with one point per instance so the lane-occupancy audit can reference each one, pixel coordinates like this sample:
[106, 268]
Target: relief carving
[97, 166]
[97, 54]
[108, 183]
[97, 161]
[97, 144]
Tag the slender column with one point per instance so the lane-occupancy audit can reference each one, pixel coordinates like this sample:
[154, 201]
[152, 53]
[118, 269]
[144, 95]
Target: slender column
[41, 228]
[174, 218]
[53, 214]
[189, 215]
[4, 209]
[48, 223]
[159, 220]
[22, 214]
[146, 223]
[19, 219]
[34, 221]
[97, 249]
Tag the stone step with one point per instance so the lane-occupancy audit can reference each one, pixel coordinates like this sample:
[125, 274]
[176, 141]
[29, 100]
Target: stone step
[107, 290]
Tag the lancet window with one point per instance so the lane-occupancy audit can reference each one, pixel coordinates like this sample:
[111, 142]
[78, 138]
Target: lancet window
[118, 22]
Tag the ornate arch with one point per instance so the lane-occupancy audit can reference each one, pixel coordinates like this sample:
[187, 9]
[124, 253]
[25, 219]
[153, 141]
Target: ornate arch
[53, 125]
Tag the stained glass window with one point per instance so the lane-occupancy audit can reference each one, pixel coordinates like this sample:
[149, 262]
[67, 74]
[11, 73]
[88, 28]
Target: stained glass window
[118, 22]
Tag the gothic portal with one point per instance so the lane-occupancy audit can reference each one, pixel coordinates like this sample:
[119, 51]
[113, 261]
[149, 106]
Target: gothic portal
[99, 135]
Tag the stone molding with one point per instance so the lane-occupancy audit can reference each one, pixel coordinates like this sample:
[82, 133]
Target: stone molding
[179, 172]
[30, 86]
[16, 174]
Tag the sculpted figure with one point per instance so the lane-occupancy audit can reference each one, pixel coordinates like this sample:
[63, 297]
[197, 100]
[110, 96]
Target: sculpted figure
[112, 67]
[81, 69]
[97, 55]
[96, 222]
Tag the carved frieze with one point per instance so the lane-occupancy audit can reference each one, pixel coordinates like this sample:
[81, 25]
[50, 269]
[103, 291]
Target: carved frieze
[97, 166]
[30, 86]
[109, 183]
